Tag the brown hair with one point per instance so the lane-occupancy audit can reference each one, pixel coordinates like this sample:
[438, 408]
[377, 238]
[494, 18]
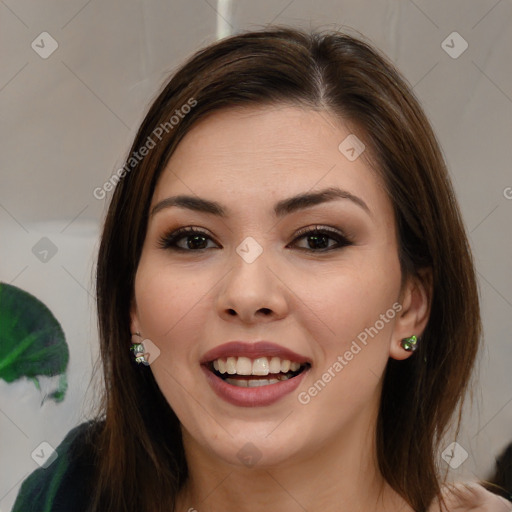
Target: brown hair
[141, 462]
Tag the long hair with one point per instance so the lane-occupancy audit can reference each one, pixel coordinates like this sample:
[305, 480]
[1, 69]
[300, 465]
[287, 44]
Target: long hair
[140, 457]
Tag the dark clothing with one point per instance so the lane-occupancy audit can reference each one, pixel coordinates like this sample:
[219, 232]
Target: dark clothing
[65, 485]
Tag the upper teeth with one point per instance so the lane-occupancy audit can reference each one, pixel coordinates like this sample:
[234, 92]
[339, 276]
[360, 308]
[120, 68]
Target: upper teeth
[259, 366]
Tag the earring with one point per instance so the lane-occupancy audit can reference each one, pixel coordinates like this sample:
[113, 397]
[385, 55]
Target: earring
[139, 352]
[409, 344]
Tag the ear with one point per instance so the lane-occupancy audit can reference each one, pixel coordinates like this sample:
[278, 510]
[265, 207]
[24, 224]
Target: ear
[415, 298]
[134, 318]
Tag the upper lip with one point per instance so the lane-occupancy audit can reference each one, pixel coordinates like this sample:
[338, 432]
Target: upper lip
[252, 350]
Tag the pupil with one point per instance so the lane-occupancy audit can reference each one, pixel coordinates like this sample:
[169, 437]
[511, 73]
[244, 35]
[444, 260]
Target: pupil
[194, 239]
[316, 243]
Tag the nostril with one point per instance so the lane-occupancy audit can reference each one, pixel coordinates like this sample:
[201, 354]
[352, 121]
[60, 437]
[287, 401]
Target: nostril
[264, 311]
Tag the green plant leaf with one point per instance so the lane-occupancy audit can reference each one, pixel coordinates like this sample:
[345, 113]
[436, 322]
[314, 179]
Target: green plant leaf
[60, 392]
[32, 341]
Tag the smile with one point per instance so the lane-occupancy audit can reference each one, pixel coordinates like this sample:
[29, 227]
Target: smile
[249, 373]
[253, 374]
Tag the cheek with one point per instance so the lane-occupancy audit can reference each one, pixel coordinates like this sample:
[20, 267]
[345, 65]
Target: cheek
[347, 381]
[352, 297]
[171, 311]
[361, 310]
[165, 298]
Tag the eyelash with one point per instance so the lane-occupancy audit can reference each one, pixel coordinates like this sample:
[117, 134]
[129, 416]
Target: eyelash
[168, 241]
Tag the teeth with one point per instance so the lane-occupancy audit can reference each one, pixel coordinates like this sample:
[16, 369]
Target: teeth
[260, 366]
[231, 365]
[294, 366]
[253, 383]
[235, 382]
[256, 383]
[244, 366]
[275, 365]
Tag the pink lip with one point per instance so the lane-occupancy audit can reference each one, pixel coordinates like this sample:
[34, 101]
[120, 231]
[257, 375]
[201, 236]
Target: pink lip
[252, 397]
[258, 396]
[252, 351]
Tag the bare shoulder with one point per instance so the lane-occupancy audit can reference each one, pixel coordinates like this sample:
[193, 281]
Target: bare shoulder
[463, 497]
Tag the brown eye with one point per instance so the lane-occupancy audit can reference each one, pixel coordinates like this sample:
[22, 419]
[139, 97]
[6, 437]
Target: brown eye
[320, 239]
[185, 239]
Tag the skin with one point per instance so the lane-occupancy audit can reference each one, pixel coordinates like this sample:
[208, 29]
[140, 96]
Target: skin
[318, 456]
[464, 497]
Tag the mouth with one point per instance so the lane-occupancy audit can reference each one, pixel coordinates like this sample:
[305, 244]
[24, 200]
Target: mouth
[245, 372]
[254, 374]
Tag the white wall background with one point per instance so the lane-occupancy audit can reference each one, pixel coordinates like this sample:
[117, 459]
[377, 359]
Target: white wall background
[68, 120]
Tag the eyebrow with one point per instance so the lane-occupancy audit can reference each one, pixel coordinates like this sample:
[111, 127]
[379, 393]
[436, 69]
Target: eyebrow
[282, 208]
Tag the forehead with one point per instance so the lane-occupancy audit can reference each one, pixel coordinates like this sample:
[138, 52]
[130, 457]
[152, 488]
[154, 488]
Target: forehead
[249, 155]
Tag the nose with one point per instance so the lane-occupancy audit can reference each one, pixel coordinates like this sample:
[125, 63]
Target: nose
[252, 292]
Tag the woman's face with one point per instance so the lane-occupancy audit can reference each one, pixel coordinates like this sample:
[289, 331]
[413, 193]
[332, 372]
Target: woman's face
[329, 302]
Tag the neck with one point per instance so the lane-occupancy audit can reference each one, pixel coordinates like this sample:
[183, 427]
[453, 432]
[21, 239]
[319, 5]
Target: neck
[335, 477]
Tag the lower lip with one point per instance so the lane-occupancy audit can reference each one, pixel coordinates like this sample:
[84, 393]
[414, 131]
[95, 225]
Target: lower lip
[252, 397]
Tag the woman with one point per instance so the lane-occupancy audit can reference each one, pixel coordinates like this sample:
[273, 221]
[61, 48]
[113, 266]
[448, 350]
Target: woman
[284, 286]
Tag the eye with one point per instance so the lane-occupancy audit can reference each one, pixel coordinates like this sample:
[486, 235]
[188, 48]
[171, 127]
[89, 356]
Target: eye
[195, 240]
[189, 239]
[318, 239]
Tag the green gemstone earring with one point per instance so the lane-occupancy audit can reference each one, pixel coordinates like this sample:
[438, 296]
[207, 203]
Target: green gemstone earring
[409, 344]
[139, 351]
